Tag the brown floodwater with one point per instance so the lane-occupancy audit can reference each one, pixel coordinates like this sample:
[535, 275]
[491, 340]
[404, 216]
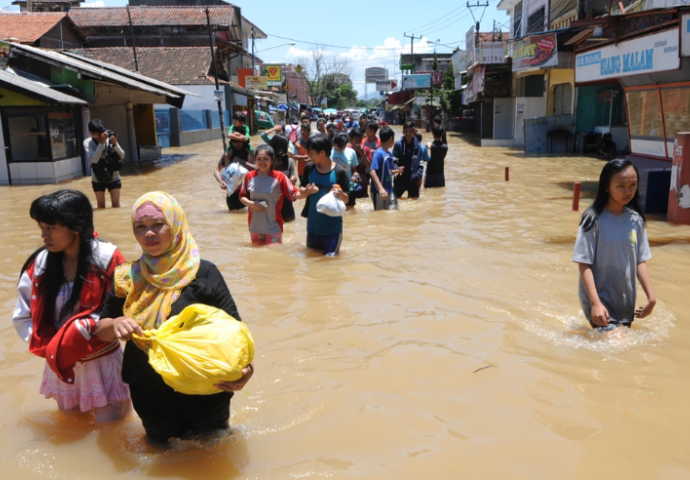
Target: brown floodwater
[446, 341]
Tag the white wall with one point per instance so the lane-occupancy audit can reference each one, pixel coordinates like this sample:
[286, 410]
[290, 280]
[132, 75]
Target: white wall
[531, 107]
[504, 116]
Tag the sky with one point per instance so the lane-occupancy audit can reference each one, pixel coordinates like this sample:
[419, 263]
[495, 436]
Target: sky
[366, 34]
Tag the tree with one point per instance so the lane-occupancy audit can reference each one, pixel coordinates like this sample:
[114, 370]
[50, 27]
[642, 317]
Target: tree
[325, 74]
[434, 64]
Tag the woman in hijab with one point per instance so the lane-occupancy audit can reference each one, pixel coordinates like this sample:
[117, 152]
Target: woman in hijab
[169, 276]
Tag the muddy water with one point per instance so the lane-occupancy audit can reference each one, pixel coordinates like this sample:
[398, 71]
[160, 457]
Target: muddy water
[446, 341]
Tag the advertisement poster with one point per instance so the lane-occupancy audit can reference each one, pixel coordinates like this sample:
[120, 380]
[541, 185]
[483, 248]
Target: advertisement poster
[385, 85]
[478, 80]
[651, 53]
[274, 75]
[459, 61]
[535, 51]
[458, 82]
[416, 81]
[255, 82]
[436, 78]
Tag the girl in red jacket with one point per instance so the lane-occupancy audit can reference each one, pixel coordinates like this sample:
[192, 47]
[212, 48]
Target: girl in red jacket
[62, 289]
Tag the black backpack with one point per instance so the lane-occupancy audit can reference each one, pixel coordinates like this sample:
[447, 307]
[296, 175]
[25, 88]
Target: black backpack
[112, 159]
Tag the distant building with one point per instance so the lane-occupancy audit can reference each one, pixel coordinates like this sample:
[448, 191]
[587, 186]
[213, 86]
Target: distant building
[39, 6]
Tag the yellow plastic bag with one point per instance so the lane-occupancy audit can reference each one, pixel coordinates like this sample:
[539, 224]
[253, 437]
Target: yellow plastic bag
[199, 348]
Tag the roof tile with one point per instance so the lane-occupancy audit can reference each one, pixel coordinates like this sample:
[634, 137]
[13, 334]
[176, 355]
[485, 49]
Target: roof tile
[151, 16]
[27, 27]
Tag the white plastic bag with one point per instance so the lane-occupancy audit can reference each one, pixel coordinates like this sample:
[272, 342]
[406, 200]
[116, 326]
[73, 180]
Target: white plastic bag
[331, 206]
[233, 176]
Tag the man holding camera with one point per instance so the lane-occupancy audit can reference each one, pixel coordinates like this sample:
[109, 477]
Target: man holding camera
[105, 155]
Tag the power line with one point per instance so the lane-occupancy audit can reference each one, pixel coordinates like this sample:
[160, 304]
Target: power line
[446, 26]
[437, 20]
[334, 46]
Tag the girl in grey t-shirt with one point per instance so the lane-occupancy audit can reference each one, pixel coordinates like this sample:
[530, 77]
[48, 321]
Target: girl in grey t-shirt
[612, 250]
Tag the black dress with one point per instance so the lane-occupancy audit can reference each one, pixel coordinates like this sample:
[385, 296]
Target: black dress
[164, 412]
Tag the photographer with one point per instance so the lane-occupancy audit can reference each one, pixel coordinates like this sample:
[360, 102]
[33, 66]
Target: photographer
[106, 156]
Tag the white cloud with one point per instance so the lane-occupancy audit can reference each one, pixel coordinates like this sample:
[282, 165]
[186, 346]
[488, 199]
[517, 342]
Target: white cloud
[96, 4]
[11, 9]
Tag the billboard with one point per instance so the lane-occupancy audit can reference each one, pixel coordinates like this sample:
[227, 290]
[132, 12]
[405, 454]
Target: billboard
[255, 82]
[372, 74]
[416, 81]
[274, 75]
[385, 85]
[478, 80]
[459, 60]
[535, 51]
[470, 46]
[436, 78]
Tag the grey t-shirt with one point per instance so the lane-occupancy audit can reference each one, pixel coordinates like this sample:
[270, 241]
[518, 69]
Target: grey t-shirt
[614, 246]
[95, 151]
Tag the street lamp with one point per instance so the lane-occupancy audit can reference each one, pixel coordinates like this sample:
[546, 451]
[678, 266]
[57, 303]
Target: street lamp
[292, 44]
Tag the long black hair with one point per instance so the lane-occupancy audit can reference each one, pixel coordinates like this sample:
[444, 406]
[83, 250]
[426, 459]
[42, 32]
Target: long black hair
[591, 215]
[72, 209]
[280, 146]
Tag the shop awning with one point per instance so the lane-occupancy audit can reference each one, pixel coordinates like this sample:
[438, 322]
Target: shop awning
[410, 100]
[36, 90]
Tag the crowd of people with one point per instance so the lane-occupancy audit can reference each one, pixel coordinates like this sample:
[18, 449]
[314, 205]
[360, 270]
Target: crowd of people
[78, 298]
[345, 158]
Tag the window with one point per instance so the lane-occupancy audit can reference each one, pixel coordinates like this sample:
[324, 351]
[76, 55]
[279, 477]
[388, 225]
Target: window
[563, 99]
[644, 113]
[40, 135]
[676, 103]
[517, 20]
[530, 86]
[535, 22]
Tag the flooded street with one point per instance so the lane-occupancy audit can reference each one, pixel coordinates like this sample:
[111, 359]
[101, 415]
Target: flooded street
[446, 341]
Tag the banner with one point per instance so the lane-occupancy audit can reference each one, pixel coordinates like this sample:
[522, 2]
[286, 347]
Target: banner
[436, 77]
[458, 82]
[478, 80]
[372, 74]
[492, 53]
[274, 75]
[459, 60]
[470, 46]
[416, 81]
[255, 82]
[385, 85]
[651, 53]
[535, 51]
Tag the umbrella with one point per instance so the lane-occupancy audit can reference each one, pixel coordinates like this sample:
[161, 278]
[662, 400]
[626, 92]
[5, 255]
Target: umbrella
[282, 107]
[316, 109]
[330, 110]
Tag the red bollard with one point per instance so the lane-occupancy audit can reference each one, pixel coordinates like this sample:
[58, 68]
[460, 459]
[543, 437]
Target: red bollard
[576, 196]
[507, 173]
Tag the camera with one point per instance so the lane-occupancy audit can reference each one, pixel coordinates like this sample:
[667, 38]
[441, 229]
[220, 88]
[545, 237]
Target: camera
[111, 133]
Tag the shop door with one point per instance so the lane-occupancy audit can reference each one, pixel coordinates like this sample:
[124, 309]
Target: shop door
[563, 99]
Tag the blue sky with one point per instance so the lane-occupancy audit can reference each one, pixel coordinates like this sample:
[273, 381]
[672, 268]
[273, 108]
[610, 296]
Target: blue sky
[370, 32]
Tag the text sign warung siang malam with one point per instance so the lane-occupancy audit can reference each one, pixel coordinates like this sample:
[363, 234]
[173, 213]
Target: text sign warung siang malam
[652, 53]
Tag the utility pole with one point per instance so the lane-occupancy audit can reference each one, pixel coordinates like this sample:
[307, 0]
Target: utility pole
[215, 74]
[253, 72]
[477, 22]
[131, 34]
[412, 39]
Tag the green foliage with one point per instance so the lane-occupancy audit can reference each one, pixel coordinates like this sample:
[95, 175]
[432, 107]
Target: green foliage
[434, 64]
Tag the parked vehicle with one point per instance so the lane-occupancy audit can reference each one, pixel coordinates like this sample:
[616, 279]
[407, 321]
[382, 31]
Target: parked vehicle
[263, 120]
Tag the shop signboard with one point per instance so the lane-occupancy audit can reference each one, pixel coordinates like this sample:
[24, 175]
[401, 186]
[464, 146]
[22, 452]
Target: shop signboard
[255, 82]
[459, 61]
[652, 53]
[385, 85]
[535, 51]
[274, 75]
[458, 82]
[436, 78]
[416, 81]
[372, 74]
[492, 53]
[470, 46]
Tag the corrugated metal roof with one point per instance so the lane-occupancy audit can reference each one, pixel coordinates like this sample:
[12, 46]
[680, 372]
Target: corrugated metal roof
[95, 70]
[36, 90]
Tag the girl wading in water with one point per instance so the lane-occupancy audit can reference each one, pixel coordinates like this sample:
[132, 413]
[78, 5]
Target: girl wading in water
[612, 251]
[62, 289]
[169, 276]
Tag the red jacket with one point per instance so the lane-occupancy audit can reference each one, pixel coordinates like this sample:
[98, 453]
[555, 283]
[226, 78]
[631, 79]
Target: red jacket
[73, 342]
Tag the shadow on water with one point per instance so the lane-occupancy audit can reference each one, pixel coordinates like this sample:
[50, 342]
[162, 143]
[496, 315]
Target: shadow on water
[146, 167]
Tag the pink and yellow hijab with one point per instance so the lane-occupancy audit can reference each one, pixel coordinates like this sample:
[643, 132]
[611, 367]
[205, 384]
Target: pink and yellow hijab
[151, 285]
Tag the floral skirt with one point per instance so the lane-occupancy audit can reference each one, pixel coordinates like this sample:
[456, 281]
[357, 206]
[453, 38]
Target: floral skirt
[97, 383]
